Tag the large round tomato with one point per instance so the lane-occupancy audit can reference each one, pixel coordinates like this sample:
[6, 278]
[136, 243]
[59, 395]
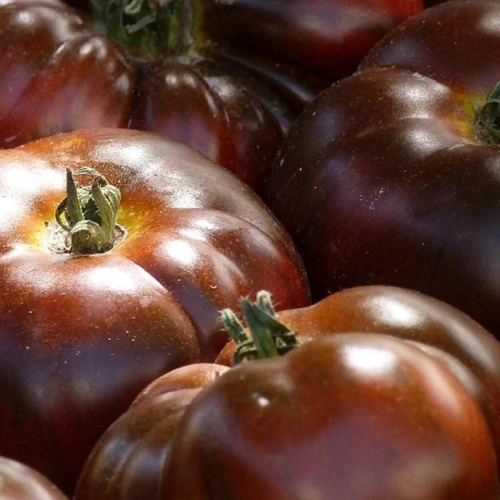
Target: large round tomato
[200, 71]
[392, 176]
[390, 394]
[85, 321]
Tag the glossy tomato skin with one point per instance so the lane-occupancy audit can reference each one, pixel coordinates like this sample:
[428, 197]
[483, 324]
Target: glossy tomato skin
[56, 74]
[439, 50]
[133, 471]
[313, 422]
[218, 95]
[81, 335]
[254, 431]
[410, 316]
[200, 101]
[389, 179]
[342, 31]
[20, 482]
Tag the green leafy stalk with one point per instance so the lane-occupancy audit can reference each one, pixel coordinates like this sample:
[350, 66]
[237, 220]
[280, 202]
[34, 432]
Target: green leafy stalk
[268, 336]
[89, 213]
[147, 29]
[489, 116]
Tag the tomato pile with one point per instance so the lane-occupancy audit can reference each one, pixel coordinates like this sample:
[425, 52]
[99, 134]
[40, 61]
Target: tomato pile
[201, 71]
[249, 249]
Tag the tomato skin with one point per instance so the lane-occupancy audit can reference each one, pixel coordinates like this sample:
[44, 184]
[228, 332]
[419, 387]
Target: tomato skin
[219, 119]
[114, 471]
[311, 423]
[440, 61]
[410, 316]
[44, 89]
[219, 96]
[223, 441]
[81, 335]
[19, 482]
[388, 179]
[343, 31]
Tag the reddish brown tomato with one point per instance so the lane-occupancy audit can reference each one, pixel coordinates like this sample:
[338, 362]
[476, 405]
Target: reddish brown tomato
[340, 408]
[114, 471]
[81, 334]
[389, 385]
[191, 75]
[392, 176]
[328, 37]
[20, 482]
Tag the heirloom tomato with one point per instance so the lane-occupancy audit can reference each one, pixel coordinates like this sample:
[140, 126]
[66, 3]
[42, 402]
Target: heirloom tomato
[97, 299]
[224, 77]
[392, 176]
[20, 482]
[372, 393]
[130, 470]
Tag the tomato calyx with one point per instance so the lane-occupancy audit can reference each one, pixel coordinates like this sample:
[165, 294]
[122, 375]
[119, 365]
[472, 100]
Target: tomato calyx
[489, 117]
[268, 337]
[87, 215]
[147, 29]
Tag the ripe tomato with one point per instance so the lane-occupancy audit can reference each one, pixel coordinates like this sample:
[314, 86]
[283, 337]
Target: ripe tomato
[133, 469]
[185, 69]
[386, 384]
[83, 330]
[392, 175]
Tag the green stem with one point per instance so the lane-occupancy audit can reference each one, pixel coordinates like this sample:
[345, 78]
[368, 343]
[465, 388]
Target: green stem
[147, 29]
[269, 337]
[89, 213]
[489, 116]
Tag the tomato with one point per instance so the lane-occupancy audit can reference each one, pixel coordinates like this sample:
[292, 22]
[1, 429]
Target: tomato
[126, 461]
[20, 482]
[385, 384]
[328, 37]
[84, 327]
[188, 74]
[392, 175]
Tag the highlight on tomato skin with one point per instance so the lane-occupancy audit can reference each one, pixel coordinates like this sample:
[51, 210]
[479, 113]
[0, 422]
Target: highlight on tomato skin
[376, 382]
[20, 482]
[118, 249]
